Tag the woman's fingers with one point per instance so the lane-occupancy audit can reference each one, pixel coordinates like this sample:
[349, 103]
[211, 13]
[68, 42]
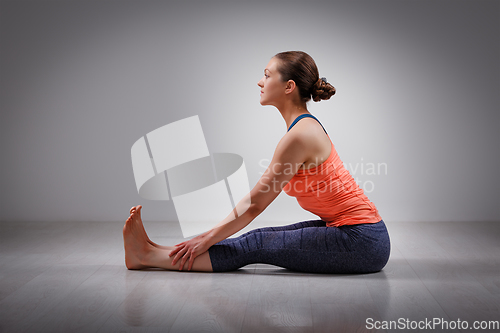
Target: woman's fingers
[191, 261]
[185, 252]
[179, 254]
[183, 260]
[174, 251]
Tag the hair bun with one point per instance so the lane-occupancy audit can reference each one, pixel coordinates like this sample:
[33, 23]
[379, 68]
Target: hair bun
[322, 90]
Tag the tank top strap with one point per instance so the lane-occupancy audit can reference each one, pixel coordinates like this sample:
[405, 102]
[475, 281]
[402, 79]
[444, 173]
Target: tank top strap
[303, 116]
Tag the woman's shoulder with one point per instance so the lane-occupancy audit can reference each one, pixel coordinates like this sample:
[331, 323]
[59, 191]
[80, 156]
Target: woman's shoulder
[309, 131]
[312, 137]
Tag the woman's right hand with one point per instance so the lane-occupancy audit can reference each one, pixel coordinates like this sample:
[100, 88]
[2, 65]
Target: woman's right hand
[189, 250]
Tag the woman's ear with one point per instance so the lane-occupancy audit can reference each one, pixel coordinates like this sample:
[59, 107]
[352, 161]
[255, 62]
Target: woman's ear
[290, 86]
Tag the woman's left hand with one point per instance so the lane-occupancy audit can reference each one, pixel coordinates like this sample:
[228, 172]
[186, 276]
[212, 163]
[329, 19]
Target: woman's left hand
[189, 249]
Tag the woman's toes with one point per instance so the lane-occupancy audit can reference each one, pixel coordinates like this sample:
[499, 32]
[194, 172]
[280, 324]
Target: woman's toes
[134, 208]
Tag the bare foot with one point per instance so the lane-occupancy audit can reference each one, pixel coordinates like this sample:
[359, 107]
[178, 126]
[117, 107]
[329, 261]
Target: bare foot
[138, 211]
[135, 241]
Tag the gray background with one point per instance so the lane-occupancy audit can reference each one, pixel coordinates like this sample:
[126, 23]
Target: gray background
[80, 81]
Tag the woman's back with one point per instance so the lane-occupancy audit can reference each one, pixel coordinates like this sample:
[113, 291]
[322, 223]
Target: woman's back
[328, 190]
[317, 136]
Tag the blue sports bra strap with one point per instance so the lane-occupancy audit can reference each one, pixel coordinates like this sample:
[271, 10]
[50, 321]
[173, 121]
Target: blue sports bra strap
[305, 115]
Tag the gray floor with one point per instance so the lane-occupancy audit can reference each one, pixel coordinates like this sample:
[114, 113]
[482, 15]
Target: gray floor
[66, 277]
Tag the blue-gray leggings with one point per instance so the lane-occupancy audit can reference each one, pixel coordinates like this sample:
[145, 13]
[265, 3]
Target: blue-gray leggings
[308, 246]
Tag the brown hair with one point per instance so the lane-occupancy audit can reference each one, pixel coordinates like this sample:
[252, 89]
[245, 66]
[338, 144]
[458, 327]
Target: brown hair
[301, 68]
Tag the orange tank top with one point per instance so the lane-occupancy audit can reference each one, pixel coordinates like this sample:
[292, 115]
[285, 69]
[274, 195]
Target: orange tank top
[329, 191]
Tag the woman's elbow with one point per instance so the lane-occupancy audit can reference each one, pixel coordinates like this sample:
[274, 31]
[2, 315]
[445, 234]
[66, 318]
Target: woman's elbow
[254, 210]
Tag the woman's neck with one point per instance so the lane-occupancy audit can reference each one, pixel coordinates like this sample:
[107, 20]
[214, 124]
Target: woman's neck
[291, 111]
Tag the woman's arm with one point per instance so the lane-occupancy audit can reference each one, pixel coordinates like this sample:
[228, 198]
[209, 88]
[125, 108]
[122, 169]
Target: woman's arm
[233, 223]
[291, 152]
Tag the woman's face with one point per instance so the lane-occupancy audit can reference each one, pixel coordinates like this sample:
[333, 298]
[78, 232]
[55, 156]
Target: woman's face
[272, 89]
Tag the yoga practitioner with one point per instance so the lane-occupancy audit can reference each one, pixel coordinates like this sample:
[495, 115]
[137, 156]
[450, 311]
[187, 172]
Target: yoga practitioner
[350, 237]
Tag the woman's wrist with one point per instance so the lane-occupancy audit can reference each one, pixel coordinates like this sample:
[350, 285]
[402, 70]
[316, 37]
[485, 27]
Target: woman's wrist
[209, 237]
[218, 234]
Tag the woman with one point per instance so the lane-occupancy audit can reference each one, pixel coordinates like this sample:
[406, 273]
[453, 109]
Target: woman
[350, 237]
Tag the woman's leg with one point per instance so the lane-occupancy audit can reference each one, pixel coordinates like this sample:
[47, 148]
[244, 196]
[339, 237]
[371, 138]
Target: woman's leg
[317, 249]
[293, 226]
[304, 246]
[141, 252]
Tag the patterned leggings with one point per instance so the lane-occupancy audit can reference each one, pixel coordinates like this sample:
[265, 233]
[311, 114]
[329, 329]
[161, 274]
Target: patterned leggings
[308, 246]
